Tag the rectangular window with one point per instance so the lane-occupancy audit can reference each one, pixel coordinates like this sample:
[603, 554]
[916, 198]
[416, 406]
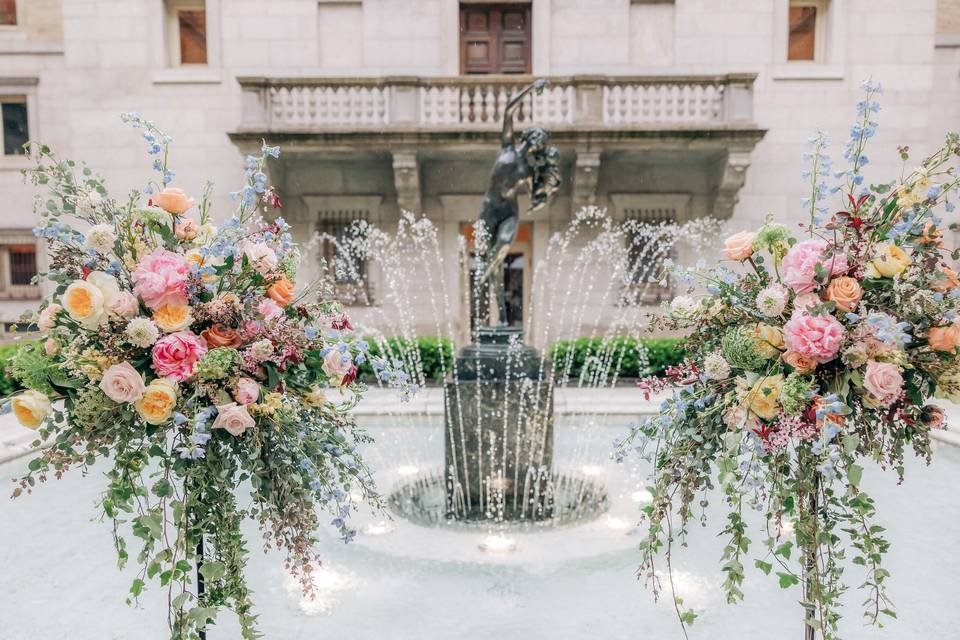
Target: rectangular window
[495, 38]
[23, 264]
[15, 130]
[806, 30]
[8, 13]
[187, 32]
[344, 257]
[649, 246]
[193, 36]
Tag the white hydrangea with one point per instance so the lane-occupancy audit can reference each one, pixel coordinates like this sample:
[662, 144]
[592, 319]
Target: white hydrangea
[684, 307]
[100, 238]
[142, 332]
[88, 202]
[716, 367]
[772, 300]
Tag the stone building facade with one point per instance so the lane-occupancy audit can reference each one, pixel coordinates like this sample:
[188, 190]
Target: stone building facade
[660, 108]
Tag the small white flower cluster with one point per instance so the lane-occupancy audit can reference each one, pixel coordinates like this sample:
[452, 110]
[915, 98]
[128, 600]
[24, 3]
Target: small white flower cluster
[100, 238]
[142, 332]
[684, 307]
[772, 300]
[716, 367]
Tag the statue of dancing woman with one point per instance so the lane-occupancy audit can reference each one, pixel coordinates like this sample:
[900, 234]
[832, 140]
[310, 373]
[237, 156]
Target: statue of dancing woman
[528, 162]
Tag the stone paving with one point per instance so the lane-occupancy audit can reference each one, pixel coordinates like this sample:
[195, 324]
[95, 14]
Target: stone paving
[16, 441]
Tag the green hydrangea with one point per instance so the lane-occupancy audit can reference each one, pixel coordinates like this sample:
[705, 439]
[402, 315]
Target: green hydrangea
[93, 410]
[31, 366]
[217, 364]
[151, 215]
[771, 234]
[796, 393]
[740, 349]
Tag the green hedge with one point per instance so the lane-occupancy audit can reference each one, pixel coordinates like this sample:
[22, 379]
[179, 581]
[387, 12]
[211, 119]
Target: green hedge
[8, 384]
[435, 355]
[660, 354]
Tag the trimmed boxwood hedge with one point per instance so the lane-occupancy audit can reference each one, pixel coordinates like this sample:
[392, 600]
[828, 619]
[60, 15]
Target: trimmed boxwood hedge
[435, 355]
[660, 354]
[8, 384]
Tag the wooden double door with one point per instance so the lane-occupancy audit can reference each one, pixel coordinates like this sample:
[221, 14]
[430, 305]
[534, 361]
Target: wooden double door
[495, 38]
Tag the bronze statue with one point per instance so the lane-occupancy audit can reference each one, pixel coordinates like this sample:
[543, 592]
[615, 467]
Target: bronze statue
[531, 163]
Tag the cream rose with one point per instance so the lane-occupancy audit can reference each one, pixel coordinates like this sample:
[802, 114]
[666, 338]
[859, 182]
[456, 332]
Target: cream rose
[31, 408]
[173, 317]
[125, 306]
[739, 246]
[87, 300]
[763, 396]
[768, 340]
[159, 399]
[122, 383]
[233, 418]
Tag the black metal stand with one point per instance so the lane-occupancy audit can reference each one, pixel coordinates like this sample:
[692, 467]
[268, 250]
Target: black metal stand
[203, 630]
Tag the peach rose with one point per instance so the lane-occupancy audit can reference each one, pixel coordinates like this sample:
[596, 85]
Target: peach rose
[122, 383]
[845, 292]
[947, 282]
[931, 235]
[233, 418]
[802, 363]
[220, 335]
[173, 200]
[185, 229]
[944, 338]
[739, 246]
[159, 399]
[281, 291]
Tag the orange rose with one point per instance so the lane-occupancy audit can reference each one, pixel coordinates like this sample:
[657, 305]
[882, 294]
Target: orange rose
[801, 363]
[944, 338]
[947, 282]
[220, 335]
[281, 291]
[845, 292]
[173, 200]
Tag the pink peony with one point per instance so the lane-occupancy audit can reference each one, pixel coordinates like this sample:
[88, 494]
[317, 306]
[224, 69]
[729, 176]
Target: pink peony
[816, 337]
[797, 268]
[161, 279]
[883, 381]
[176, 354]
[269, 309]
[247, 391]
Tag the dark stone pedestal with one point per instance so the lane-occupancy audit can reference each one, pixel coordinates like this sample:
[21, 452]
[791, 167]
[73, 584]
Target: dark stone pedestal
[499, 431]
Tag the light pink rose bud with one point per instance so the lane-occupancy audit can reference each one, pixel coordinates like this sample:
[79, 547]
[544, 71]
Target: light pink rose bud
[125, 306]
[47, 318]
[122, 383]
[739, 246]
[336, 364]
[51, 346]
[186, 229]
[247, 391]
[234, 419]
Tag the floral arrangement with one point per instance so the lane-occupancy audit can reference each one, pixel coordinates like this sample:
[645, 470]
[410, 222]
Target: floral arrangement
[819, 355]
[182, 355]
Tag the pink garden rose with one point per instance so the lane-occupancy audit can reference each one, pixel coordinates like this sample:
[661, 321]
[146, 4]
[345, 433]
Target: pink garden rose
[161, 279]
[234, 418]
[125, 306]
[247, 391]
[122, 383]
[797, 267]
[804, 301]
[175, 355]
[336, 364]
[269, 309]
[48, 317]
[816, 337]
[883, 381]
[739, 246]
[261, 256]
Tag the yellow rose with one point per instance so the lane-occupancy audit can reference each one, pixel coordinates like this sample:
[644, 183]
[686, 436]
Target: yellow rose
[173, 317]
[769, 340]
[315, 398]
[159, 399]
[31, 408]
[889, 260]
[763, 396]
[87, 300]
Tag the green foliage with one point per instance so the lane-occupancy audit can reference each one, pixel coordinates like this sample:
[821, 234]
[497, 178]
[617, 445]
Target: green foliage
[433, 356]
[8, 384]
[621, 356]
[29, 367]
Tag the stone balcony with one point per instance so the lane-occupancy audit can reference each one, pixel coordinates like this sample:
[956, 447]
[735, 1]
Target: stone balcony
[701, 125]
